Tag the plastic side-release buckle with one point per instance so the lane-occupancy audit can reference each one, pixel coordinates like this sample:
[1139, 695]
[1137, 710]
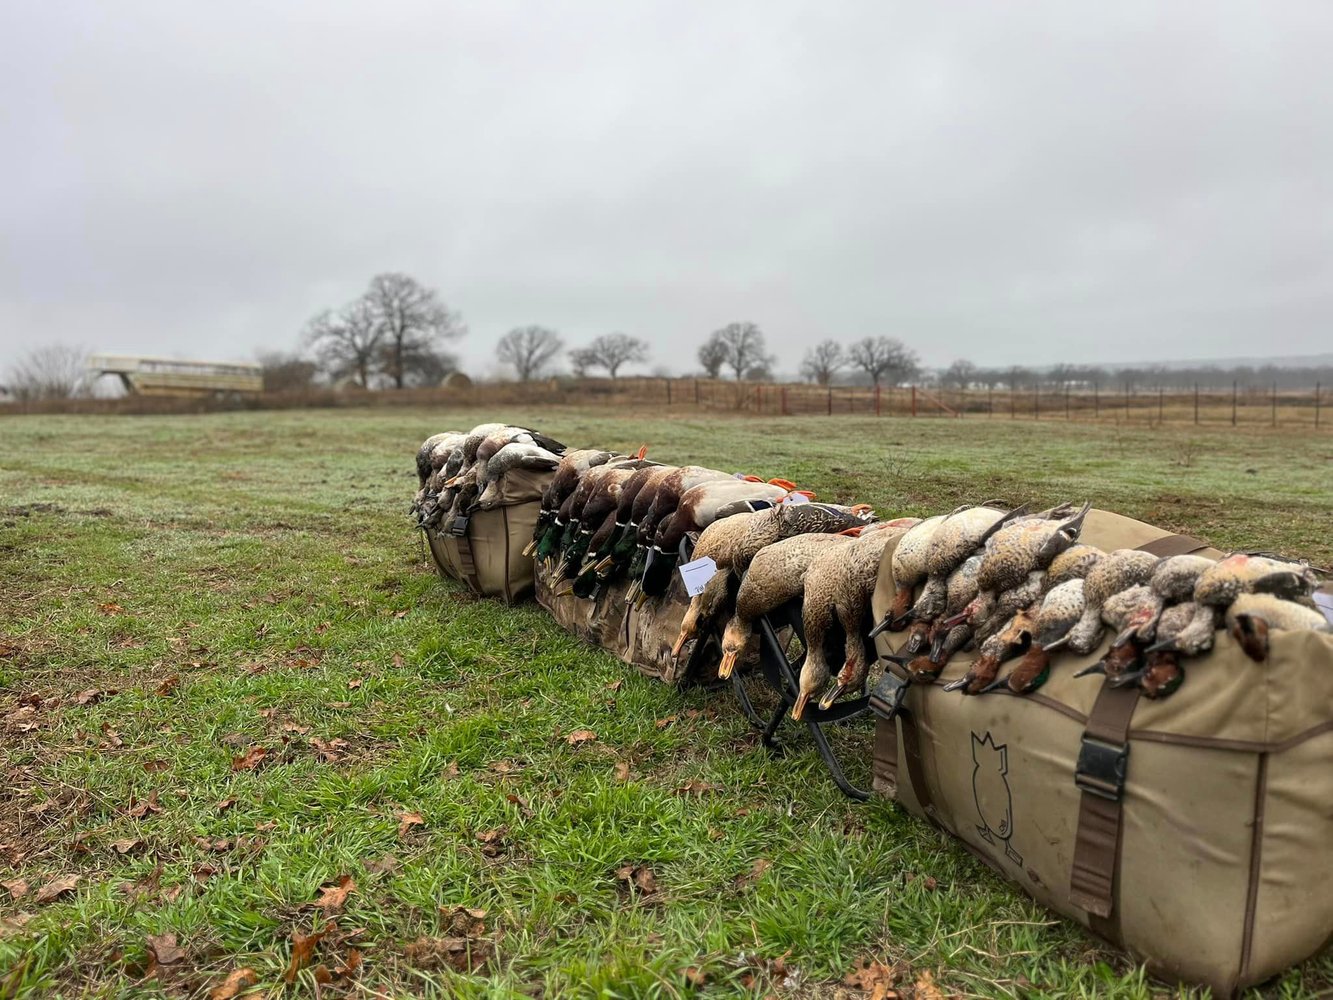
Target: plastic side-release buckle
[1102, 767]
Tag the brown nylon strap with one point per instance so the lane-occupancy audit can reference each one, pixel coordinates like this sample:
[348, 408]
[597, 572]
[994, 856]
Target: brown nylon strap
[916, 766]
[885, 758]
[467, 564]
[1173, 545]
[1097, 842]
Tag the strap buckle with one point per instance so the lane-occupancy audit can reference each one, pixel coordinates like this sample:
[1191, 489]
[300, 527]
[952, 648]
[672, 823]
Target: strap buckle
[459, 528]
[887, 698]
[1101, 768]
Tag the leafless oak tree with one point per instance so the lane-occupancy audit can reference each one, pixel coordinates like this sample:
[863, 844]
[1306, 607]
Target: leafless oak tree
[884, 359]
[822, 362]
[413, 321]
[347, 342]
[610, 351]
[55, 371]
[741, 348]
[529, 349]
[960, 374]
[712, 356]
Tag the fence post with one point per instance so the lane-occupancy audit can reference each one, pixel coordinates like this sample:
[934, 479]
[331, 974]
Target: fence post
[1066, 400]
[1196, 404]
[1274, 404]
[877, 399]
[759, 398]
[914, 401]
[1235, 395]
[784, 401]
[1013, 401]
[1126, 401]
[1036, 400]
[830, 400]
[1160, 414]
[990, 400]
[1317, 387]
[696, 392]
[1096, 401]
[668, 385]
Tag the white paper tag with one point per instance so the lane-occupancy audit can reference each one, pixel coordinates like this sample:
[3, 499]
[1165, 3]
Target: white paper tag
[1325, 604]
[796, 498]
[697, 574]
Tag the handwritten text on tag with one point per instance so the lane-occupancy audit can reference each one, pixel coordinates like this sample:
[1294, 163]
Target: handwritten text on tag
[697, 574]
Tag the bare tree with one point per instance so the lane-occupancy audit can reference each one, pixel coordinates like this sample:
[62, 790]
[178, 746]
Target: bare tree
[884, 359]
[741, 347]
[413, 321]
[285, 372]
[1016, 377]
[822, 362]
[55, 371]
[347, 342]
[713, 355]
[960, 374]
[609, 351]
[529, 349]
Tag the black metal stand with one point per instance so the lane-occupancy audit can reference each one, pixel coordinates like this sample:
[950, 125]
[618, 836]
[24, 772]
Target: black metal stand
[783, 677]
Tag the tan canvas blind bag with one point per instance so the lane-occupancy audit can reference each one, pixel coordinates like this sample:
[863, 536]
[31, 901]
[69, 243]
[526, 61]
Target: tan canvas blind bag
[489, 558]
[1214, 864]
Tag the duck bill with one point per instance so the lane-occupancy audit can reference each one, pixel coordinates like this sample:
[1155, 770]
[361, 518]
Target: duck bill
[798, 709]
[884, 625]
[726, 665]
[679, 644]
[827, 701]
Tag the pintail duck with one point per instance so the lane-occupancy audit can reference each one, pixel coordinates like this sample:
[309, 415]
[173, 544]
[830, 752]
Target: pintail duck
[909, 568]
[776, 576]
[1059, 612]
[838, 586]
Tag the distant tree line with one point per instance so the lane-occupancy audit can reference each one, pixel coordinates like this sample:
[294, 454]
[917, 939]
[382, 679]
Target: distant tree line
[395, 334]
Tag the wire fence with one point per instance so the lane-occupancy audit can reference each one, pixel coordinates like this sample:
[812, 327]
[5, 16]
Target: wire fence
[1236, 406]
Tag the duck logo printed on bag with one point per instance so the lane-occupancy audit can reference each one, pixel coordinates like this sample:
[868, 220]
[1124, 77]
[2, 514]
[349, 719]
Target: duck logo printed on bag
[990, 791]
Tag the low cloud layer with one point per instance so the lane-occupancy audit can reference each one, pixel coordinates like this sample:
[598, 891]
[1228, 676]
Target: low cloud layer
[1030, 184]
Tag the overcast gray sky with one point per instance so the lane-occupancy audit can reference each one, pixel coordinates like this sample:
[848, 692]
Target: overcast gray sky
[1012, 183]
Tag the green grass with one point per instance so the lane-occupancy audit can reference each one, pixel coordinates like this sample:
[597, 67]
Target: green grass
[266, 561]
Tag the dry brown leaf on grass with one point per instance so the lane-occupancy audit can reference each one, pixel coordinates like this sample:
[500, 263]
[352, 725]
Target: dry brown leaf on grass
[663, 723]
[615, 686]
[236, 983]
[249, 760]
[926, 988]
[639, 877]
[579, 736]
[746, 879]
[493, 842]
[140, 810]
[110, 608]
[332, 751]
[465, 921]
[156, 766]
[125, 846]
[303, 950]
[17, 888]
[383, 866]
[87, 697]
[163, 950]
[225, 804]
[695, 976]
[407, 820]
[354, 683]
[168, 685]
[55, 888]
[876, 978]
[334, 896]
[517, 800]
[622, 770]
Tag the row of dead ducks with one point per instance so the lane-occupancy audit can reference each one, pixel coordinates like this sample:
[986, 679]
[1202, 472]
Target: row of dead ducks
[1010, 584]
[1022, 587]
[460, 472]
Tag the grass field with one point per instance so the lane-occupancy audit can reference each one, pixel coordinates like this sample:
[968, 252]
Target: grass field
[229, 680]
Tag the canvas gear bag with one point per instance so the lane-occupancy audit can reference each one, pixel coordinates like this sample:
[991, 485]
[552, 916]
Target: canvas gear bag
[1196, 831]
[599, 621]
[488, 557]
